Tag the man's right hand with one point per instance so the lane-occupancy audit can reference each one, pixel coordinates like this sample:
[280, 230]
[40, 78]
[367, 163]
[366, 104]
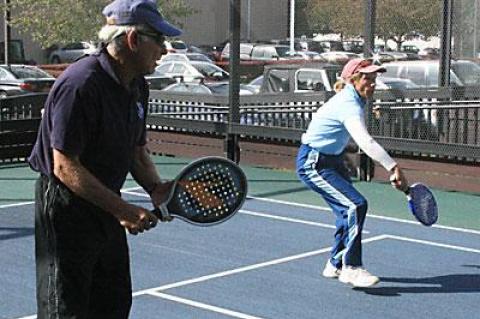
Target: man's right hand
[136, 219]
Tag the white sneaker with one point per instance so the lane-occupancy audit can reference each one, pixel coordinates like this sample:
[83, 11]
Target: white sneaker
[357, 277]
[330, 271]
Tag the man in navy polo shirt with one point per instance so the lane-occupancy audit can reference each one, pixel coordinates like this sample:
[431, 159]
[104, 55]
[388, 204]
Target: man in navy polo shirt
[91, 136]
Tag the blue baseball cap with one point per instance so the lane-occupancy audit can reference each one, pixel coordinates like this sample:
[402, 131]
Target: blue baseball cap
[133, 12]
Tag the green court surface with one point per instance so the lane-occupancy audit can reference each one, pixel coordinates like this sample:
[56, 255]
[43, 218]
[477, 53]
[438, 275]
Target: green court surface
[455, 209]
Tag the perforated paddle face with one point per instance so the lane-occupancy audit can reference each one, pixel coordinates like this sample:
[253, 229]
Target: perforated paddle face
[423, 204]
[209, 190]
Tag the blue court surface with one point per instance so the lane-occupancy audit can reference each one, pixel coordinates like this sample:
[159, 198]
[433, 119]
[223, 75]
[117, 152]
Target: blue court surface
[266, 262]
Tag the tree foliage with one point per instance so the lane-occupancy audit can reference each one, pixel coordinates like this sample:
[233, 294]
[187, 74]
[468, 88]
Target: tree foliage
[395, 18]
[51, 22]
[398, 18]
[337, 16]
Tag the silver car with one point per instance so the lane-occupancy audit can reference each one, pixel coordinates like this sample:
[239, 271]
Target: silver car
[72, 52]
[17, 79]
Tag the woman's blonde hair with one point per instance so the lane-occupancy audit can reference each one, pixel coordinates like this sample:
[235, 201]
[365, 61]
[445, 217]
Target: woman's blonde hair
[340, 84]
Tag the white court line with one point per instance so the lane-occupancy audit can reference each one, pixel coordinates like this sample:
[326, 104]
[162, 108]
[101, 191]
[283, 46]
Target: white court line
[430, 243]
[258, 214]
[247, 268]
[126, 190]
[398, 220]
[291, 220]
[16, 204]
[286, 219]
[324, 208]
[200, 305]
[155, 291]
[314, 207]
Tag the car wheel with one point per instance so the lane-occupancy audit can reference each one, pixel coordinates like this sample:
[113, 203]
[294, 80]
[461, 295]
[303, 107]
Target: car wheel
[55, 60]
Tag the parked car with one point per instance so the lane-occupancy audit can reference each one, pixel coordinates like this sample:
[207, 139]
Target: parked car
[425, 73]
[381, 57]
[410, 48]
[211, 51]
[175, 46]
[331, 45]
[245, 51]
[190, 71]
[256, 83]
[299, 77]
[206, 88]
[429, 53]
[338, 57]
[186, 57]
[306, 55]
[16, 52]
[269, 52]
[354, 46]
[72, 52]
[17, 79]
[387, 83]
[158, 82]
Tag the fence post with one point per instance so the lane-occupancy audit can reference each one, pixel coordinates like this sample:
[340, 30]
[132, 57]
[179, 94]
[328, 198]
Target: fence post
[365, 163]
[369, 35]
[231, 140]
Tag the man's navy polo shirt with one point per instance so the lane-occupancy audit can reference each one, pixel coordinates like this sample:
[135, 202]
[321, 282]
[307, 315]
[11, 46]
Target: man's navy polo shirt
[90, 115]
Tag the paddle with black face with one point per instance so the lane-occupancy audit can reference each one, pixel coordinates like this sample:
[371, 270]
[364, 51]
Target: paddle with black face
[208, 191]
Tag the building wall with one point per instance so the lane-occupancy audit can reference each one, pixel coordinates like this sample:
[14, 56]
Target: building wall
[269, 19]
[33, 51]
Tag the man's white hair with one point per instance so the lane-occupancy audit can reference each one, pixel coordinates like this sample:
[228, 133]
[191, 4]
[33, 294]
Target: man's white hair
[109, 32]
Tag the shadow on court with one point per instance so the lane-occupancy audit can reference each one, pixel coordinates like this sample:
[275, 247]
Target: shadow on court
[456, 283]
[7, 233]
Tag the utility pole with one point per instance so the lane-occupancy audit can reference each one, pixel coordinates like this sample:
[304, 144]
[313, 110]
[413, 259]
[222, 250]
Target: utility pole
[292, 25]
[7, 31]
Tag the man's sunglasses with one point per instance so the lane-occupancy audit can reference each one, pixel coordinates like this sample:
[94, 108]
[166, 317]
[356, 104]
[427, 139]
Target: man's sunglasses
[158, 38]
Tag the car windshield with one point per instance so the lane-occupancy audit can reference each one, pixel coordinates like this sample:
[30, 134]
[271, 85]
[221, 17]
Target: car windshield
[283, 52]
[187, 88]
[178, 45]
[24, 72]
[208, 70]
[310, 80]
[198, 57]
[467, 72]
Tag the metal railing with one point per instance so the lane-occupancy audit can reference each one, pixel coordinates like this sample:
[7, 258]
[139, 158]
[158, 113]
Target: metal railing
[441, 123]
[19, 120]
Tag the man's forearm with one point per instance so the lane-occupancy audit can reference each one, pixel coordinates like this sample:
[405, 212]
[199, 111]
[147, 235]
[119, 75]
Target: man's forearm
[144, 171]
[80, 181]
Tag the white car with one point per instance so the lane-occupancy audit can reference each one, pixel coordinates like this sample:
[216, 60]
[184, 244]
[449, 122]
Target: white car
[206, 88]
[338, 57]
[175, 46]
[72, 52]
[186, 57]
[191, 71]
